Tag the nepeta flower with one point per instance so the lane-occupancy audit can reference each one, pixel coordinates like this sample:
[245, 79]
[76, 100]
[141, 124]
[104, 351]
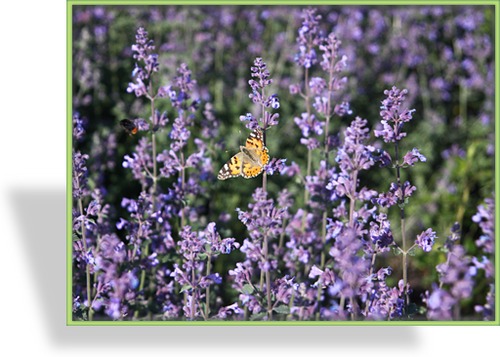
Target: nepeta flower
[486, 242]
[141, 161]
[309, 125]
[78, 127]
[317, 85]
[393, 115]
[275, 165]
[309, 37]
[439, 304]
[457, 272]
[354, 155]
[485, 218]
[227, 311]
[142, 53]
[262, 217]
[384, 302]
[210, 124]
[79, 175]
[318, 186]
[412, 157]
[425, 240]
[352, 267]
[260, 80]
[381, 234]
[325, 277]
[181, 99]
[395, 194]
[342, 109]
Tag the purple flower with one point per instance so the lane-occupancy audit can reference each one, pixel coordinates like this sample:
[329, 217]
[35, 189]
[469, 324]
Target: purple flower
[317, 85]
[342, 109]
[275, 166]
[309, 125]
[184, 85]
[412, 157]
[329, 48]
[395, 195]
[252, 122]
[425, 240]
[78, 127]
[284, 289]
[439, 304]
[262, 217]
[291, 170]
[141, 161]
[79, 175]
[325, 277]
[381, 234]
[227, 311]
[260, 80]
[142, 53]
[485, 218]
[318, 186]
[353, 267]
[210, 124]
[393, 115]
[309, 37]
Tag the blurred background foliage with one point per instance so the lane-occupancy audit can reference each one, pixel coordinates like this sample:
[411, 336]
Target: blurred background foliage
[442, 54]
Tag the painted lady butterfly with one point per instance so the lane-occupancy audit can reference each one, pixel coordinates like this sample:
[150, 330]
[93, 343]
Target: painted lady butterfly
[250, 161]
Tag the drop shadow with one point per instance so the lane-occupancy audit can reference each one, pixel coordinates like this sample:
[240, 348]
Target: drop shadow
[41, 216]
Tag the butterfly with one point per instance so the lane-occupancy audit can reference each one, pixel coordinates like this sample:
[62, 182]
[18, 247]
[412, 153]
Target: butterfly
[250, 161]
[129, 126]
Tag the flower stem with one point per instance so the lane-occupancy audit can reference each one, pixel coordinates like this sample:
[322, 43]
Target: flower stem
[145, 252]
[87, 268]
[403, 228]
[267, 276]
[207, 290]
[307, 98]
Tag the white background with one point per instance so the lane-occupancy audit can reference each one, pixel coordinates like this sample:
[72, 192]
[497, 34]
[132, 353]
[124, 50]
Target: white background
[32, 216]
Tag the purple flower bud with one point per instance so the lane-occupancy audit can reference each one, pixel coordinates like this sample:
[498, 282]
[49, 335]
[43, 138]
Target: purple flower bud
[93, 208]
[294, 89]
[412, 157]
[275, 165]
[393, 116]
[425, 240]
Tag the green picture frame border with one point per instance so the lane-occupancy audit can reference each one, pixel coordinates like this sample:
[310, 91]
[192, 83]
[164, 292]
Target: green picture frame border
[69, 146]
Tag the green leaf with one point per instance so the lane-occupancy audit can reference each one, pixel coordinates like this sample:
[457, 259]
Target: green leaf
[412, 309]
[247, 289]
[258, 316]
[201, 256]
[185, 287]
[396, 250]
[282, 309]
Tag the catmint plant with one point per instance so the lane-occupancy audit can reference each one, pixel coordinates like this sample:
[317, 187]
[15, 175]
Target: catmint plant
[485, 218]
[345, 200]
[263, 219]
[198, 249]
[394, 117]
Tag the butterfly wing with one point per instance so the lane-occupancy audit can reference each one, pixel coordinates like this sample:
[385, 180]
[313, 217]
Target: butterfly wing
[232, 168]
[255, 140]
[251, 169]
[255, 144]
